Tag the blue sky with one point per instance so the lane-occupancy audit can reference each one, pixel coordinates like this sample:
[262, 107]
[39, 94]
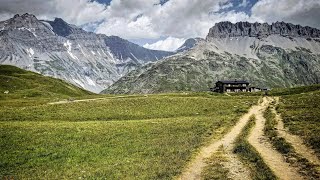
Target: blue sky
[107, 2]
[164, 24]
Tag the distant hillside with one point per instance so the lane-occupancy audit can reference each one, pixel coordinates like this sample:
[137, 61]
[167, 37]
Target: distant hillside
[19, 83]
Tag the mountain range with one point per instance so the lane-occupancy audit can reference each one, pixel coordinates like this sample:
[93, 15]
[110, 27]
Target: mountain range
[61, 50]
[267, 55]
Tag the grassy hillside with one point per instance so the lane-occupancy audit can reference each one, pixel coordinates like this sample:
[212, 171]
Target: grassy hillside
[25, 84]
[301, 114]
[144, 137]
[294, 90]
[281, 91]
[300, 110]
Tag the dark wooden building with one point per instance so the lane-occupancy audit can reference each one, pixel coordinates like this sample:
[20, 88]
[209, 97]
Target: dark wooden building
[231, 86]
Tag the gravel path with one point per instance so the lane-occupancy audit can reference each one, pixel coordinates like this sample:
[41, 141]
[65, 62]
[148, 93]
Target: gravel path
[271, 157]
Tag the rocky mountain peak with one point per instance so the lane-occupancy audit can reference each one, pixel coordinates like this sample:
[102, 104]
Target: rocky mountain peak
[19, 21]
[62, 28]
[228, 29]
[60, 22]
[24, 16]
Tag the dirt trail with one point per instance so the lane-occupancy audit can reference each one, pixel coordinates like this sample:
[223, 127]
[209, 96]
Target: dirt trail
[271, 157]
[84, 100]
[194, 169]
[294, 140]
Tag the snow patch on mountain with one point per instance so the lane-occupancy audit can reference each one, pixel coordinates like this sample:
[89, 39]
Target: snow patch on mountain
[68, 45]
[78, 82]
[30, 52]
[90, 81]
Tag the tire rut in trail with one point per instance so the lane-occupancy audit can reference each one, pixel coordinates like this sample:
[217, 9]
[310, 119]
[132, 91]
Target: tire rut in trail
[236, 168]
[294, 140]
[271, 157]
[195, 167]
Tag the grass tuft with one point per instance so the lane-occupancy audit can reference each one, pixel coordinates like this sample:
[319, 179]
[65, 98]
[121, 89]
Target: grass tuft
[278, 142]
[215, 168]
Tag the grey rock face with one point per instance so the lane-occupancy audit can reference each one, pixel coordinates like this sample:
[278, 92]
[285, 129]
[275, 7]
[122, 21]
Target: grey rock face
[56, 48]
[124, 49]
[228, 29]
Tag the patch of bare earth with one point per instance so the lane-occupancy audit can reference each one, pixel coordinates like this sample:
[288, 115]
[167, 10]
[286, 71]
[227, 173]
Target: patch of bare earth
[236, 169]
[271, 157]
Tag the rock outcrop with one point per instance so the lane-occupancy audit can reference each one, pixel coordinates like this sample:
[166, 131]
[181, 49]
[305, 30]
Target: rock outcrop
[241, 29]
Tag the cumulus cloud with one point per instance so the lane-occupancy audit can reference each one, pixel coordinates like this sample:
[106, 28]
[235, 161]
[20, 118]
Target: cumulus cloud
[77, 12]
[176, 18]
[153, 19]
[129, 29]
[304, 12]
[169, 44]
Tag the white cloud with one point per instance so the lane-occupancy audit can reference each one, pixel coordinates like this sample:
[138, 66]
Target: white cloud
[141, 28]
[169, 44]
[304, 12]
[133, 19]
[244, 3]
[176, 18]
[136, 19]
[226, 6]
[77, 12]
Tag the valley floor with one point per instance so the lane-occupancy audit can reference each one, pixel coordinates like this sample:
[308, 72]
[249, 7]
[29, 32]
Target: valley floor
[132, 137]
[164, 136]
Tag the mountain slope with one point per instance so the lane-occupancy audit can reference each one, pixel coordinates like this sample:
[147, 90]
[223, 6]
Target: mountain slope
[19, 83]
[58, 49]
[277, 55]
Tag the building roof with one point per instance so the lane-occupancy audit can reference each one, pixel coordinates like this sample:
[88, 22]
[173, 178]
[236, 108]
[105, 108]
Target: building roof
[234, 82]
